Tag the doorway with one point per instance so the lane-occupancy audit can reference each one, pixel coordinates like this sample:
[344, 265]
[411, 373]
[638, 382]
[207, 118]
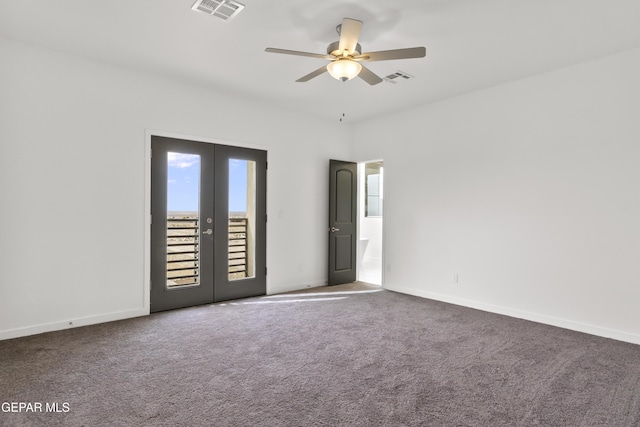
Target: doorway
[208, 223]
[370, 230]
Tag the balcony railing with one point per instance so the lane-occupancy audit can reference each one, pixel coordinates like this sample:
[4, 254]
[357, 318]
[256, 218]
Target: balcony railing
[238, 267]
[183, 250]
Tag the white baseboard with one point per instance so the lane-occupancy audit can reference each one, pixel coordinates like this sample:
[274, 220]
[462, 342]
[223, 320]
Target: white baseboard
[534, 317]
[121, 315]
[71, 323]
[271, 290]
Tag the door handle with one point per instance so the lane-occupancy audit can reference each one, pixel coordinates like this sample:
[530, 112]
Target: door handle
[333, 229]
[208, 231]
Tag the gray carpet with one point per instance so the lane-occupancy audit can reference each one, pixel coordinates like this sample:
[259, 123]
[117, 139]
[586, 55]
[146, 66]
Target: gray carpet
[370, 358]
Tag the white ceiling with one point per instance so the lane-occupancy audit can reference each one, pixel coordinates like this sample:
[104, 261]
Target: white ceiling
[471, 44]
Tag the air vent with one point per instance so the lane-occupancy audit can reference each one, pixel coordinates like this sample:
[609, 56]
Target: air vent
[223, 9]
[397, 76]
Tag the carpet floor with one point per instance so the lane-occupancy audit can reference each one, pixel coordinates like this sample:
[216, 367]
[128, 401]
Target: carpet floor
[352, 355]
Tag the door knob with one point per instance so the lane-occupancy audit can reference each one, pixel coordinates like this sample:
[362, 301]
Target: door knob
[333, 229]
[208, 231]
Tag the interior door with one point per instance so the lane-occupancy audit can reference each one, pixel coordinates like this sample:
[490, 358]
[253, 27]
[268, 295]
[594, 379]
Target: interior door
[208, 226]
[343, 217]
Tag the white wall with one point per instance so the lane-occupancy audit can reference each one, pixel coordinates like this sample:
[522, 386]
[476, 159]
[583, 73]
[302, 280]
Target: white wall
[72, 183]
[530, 191]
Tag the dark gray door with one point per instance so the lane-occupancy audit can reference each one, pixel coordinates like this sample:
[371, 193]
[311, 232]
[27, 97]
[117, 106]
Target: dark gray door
[208, 231]
[343, 184]
[240, 223]
[182, 204]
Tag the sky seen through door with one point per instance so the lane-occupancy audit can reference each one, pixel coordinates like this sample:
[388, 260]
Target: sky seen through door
[183, 176]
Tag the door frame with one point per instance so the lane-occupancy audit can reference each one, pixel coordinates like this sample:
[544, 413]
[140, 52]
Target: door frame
[360, 211]
[147, 199]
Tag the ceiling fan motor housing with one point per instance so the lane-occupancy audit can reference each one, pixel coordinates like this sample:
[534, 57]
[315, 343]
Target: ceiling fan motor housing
[332, 49]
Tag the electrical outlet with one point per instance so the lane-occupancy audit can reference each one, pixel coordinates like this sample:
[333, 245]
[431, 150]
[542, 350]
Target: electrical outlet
[455, 278]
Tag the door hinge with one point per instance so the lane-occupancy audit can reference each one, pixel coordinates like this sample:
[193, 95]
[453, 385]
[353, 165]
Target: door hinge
[150, 219]
[265, 271]
[266, 165]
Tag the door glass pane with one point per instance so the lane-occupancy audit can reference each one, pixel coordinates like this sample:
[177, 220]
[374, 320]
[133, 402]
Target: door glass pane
[183, 217]
[242, 218]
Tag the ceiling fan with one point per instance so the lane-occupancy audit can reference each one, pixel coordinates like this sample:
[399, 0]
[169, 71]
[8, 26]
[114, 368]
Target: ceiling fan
[346, 57]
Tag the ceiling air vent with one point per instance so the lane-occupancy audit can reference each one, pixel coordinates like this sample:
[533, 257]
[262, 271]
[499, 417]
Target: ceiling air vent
[223, 9]
[397, 76]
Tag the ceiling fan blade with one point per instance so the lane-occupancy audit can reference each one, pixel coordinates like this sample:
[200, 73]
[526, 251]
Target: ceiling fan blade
[385, 55]
[349, 33]
[311, 75]
[369, 76]
[298, 53]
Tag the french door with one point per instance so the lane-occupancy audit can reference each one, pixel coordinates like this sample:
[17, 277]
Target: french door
[208, 226]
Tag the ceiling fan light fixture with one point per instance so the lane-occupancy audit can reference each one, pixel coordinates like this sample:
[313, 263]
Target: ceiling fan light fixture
[345, 56]
[344, 69]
